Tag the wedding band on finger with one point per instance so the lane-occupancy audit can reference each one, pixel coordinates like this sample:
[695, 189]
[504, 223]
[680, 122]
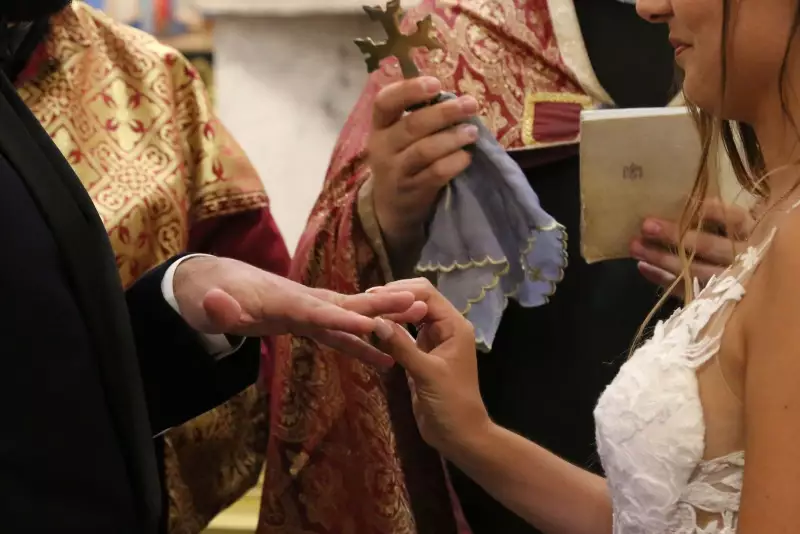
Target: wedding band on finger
[406, 332]
[375, 340]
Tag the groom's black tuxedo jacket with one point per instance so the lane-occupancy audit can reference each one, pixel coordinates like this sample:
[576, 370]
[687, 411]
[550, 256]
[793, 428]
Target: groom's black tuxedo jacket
[89, 374]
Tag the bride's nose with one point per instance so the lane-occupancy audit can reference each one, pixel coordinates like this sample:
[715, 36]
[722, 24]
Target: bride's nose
[654, 10]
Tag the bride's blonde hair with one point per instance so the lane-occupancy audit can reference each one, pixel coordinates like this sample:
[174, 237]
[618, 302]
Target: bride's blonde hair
[742, 148]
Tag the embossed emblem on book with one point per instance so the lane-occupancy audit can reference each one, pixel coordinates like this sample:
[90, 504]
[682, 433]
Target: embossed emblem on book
[632, 172]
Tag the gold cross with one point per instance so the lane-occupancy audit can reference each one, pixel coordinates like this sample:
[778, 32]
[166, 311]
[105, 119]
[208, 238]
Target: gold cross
[397, 43]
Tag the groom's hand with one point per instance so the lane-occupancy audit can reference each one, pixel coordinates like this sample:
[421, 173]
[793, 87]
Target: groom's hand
[219, 295]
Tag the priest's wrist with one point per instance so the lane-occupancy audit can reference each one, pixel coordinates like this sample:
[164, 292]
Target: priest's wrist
[403, 245]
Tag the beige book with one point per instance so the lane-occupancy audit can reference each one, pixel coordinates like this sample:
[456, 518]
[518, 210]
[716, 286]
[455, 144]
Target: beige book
[639, 163]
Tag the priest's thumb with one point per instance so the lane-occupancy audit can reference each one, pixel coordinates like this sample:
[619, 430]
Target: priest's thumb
[223, 313]
[402, 347]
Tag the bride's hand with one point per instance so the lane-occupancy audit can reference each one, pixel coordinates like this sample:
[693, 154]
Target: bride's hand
[442, 369]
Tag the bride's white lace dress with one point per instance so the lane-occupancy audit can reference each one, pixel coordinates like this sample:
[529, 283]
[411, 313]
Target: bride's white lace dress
[651, 431]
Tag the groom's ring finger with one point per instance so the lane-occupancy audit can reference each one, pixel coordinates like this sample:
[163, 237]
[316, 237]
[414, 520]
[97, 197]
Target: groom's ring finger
[354, 347]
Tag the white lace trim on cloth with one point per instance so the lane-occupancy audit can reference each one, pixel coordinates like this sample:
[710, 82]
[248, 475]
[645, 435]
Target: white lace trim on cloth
[651, 428]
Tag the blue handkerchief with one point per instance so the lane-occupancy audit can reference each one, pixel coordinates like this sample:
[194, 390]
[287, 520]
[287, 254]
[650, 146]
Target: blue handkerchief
[490, 240]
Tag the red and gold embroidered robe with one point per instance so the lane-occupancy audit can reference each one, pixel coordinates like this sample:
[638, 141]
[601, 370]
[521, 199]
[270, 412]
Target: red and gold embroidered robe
[345, 456]
[134, 120]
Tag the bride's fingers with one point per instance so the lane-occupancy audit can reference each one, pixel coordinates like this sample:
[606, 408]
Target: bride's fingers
[660, 277]
[439, 308]
[421, 366]
[736, 220]
[414, 315]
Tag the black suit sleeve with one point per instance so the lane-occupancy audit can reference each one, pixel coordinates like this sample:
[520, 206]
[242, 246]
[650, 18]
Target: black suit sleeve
[181, 379]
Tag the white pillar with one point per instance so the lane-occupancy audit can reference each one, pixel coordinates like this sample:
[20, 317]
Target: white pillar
[287, 75]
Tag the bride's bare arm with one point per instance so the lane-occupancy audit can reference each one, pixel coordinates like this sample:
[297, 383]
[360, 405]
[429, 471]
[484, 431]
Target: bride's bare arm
[771, 320]
[548, 492]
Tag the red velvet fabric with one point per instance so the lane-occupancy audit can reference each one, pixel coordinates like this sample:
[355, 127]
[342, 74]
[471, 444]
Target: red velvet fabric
[555, 122]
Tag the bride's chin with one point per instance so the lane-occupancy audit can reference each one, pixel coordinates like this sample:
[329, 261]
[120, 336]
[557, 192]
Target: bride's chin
[700, 94]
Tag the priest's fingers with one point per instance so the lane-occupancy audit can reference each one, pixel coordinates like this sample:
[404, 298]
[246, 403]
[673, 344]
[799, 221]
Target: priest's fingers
[354, 347]
[735, 220]
[660, 277]
[393, 100]
[430, 120]
[662, 258]
[427, 151]
[440, 172]
[711, 248]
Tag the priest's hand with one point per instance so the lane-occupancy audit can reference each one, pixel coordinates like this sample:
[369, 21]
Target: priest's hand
[714, 251]
[225, 296]
[442, 369]
[412, 155]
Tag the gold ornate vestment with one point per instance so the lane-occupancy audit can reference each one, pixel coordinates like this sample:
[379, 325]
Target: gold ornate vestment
[134, 120]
